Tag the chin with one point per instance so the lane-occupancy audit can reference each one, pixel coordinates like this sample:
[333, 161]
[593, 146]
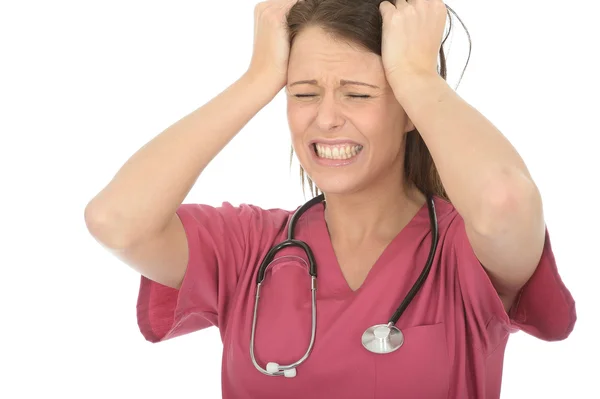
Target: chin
[333, 183]
[335, 171]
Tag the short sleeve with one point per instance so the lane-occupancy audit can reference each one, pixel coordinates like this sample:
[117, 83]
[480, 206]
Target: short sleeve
[544, 307]
[219, 240]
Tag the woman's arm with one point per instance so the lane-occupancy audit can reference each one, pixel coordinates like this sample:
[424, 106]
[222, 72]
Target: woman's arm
[134, 215]
[145, 193]
[485, 178]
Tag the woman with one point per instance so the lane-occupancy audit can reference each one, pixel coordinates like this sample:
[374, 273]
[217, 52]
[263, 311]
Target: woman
[379, 132]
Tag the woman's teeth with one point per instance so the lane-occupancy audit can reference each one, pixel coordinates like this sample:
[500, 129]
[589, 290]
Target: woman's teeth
[340, 151]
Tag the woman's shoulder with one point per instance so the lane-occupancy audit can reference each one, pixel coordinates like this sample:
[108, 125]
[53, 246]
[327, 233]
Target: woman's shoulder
[544, 307]
[446, 215]
[246, 216]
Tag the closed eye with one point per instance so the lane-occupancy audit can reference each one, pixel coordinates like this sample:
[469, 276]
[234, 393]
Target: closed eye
[349, 95]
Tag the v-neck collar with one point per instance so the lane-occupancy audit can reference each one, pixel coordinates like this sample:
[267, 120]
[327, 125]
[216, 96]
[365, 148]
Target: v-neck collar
[329, 272]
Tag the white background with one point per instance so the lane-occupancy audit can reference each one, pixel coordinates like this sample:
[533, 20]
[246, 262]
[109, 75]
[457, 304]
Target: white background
[85, 84]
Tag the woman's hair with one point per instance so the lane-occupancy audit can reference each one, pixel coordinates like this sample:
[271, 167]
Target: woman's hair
[359, 22]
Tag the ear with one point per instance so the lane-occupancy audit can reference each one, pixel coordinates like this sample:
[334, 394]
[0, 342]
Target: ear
[409, 126]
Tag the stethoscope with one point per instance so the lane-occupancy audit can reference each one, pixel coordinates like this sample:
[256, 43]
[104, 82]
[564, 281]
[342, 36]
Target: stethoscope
[380, 338]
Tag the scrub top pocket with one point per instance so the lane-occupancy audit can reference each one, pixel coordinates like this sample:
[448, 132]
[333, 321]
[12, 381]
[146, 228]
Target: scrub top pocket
[420, 368]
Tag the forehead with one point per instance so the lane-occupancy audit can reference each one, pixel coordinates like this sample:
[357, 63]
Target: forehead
[316, 54]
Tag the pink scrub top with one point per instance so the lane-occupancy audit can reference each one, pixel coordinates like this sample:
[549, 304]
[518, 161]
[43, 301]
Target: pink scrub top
[455, 329]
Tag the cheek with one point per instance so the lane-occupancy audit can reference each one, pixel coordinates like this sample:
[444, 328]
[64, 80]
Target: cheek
[298, 120]
[382, 130]
[375, 124]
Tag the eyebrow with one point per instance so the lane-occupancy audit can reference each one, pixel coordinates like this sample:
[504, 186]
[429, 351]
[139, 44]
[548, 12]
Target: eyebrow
[343, 82]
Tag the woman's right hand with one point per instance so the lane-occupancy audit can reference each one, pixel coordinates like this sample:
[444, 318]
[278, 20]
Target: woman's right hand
[271, 42]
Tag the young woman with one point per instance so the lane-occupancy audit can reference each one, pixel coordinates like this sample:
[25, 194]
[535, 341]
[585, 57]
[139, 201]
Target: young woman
[426, 250]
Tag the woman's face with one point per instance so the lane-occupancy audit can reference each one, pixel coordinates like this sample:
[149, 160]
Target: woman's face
[347, 127]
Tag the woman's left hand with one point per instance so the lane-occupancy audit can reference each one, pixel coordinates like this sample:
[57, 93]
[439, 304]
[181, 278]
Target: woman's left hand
[412, 35]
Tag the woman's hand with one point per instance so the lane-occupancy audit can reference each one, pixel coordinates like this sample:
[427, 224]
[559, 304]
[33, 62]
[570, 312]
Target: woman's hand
[412, 34]
[271, 42]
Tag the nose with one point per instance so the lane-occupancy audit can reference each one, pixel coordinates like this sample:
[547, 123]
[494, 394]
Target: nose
[329, 116]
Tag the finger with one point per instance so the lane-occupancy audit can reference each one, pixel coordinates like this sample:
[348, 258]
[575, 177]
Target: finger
[402, 3]
[288, 4]
[291, 3]
[385, 7]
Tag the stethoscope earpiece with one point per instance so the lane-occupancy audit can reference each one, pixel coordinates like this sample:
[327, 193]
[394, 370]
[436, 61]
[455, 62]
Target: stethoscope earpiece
[275, 369]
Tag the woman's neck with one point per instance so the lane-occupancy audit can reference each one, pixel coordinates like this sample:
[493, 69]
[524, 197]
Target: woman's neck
[378, 213]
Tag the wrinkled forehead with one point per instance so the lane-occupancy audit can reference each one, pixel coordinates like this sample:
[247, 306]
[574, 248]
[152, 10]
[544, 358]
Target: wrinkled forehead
[318, 55]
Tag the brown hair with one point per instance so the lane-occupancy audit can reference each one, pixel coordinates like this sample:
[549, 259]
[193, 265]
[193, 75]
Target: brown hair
[359, 22]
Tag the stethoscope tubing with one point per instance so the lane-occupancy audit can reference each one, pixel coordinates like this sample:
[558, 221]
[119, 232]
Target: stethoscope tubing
[278, 370]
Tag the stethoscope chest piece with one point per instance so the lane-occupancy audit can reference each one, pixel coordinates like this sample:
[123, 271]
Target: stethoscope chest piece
[382, 338]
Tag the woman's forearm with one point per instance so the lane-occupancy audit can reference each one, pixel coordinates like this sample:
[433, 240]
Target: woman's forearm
[142, 197]
[474, 160]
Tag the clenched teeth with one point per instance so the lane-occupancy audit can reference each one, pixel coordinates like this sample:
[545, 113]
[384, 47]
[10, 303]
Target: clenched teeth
[338, 151]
